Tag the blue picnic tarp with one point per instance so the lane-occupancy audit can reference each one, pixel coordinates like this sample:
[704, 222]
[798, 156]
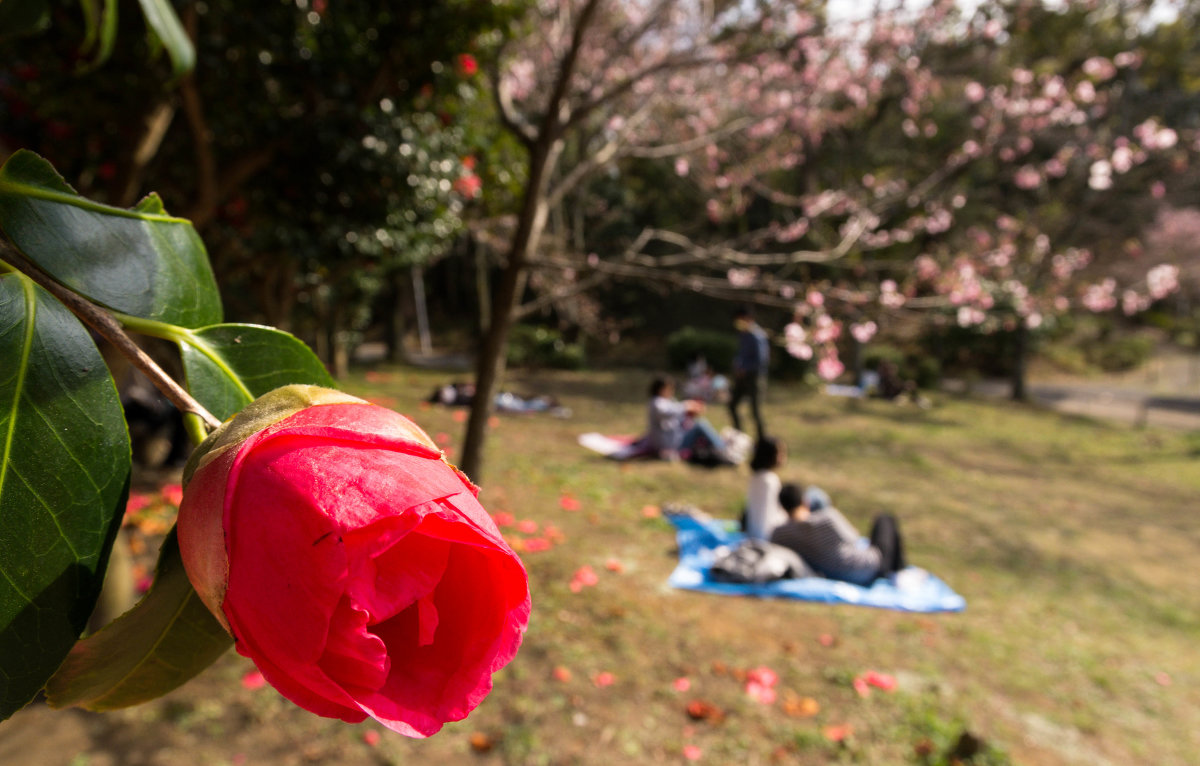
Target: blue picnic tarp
[702, 539]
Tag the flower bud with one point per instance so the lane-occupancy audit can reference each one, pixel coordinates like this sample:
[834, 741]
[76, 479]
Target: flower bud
[350, 561]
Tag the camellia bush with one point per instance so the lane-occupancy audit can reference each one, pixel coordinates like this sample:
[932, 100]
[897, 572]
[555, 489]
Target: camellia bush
[326, 538]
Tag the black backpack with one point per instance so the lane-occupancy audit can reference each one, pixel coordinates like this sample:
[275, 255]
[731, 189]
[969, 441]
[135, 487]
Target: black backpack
[756, 561]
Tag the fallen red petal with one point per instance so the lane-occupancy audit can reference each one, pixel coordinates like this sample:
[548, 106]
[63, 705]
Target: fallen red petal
[253, 680]
[568, 502]
[838, 733]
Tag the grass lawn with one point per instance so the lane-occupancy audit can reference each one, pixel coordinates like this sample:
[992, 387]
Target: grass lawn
[1074, 542]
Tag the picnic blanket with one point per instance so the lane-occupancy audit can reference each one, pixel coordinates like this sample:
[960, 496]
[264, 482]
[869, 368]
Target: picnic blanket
[616, 447]
[701, 539]
[737, 447]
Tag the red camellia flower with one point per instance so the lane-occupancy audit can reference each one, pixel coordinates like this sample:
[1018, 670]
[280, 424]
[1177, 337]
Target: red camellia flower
[350, 561]
[467, 64]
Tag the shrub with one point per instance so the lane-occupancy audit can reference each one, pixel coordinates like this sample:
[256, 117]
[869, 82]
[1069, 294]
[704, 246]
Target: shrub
[530, 346]
[1121, 354]
[718, 348]
[925, 370]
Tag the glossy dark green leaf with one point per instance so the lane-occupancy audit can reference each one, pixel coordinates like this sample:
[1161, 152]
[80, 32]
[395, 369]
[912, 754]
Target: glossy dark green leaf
[161, 18]
[64, 478]
[163, 641]
[140, 261]
[23, 17]
[230, 365]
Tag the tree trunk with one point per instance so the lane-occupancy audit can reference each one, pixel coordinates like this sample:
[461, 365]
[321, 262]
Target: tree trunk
[482, 287]
[396, 325]
[418, 282]
[489, 363]
[1020, 357]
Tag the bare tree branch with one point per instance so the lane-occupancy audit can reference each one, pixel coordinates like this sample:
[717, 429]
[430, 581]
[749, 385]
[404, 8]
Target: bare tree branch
[559, 294]
[683, 147]
[599, 158]
[156, 125]
[510, 118]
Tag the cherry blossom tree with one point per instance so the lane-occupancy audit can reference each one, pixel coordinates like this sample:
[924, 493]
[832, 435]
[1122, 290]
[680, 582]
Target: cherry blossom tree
[930, 162]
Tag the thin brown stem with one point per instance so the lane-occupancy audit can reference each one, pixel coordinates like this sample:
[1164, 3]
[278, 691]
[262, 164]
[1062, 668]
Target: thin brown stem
[110, 329]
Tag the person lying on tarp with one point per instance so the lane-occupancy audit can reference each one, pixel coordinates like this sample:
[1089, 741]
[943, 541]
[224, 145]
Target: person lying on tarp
[458, 394]
[831, 545]
[674, 428]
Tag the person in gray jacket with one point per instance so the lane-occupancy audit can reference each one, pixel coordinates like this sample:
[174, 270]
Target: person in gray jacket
[831, 545]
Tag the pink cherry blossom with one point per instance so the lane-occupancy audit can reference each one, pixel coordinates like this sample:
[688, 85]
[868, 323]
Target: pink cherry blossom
[1162, 280]
[863, 332]
[1027, 177]
[742, 277]
[830, 367]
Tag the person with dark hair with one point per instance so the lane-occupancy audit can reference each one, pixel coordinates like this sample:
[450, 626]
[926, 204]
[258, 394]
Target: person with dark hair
[832, 546]
[763, 511]
[675, 428]
[749, 370]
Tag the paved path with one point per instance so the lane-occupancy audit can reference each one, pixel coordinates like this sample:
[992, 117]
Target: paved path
[1166, 392]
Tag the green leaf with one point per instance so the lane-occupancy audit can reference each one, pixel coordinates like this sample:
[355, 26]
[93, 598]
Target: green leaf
[101, 32]
[161, 18]
[230, 365]
[64, 478]
[23, 17]
[141, 262]
[163, 641]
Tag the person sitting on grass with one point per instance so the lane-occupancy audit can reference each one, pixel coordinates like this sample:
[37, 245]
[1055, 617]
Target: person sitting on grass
[675, 429]
[763, 511]
[832, 546]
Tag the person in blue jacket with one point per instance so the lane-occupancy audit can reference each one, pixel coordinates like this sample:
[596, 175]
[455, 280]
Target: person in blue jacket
[749, 370]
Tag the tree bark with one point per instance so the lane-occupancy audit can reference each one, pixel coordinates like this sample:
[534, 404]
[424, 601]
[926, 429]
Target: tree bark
[1020, 358]
[396, 325]
[545, 147]
[489, 362]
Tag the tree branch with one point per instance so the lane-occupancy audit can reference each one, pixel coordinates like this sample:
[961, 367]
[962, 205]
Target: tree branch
[597, 159]
[557, 115]
[206, 162]
[110, 329]
[156, 124]
[510, 118]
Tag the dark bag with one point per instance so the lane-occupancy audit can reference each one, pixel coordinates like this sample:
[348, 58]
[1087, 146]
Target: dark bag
[756, 561]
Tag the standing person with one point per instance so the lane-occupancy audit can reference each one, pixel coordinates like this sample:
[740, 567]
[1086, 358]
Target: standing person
[830, 544]
[763, 510]
[749, 370]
